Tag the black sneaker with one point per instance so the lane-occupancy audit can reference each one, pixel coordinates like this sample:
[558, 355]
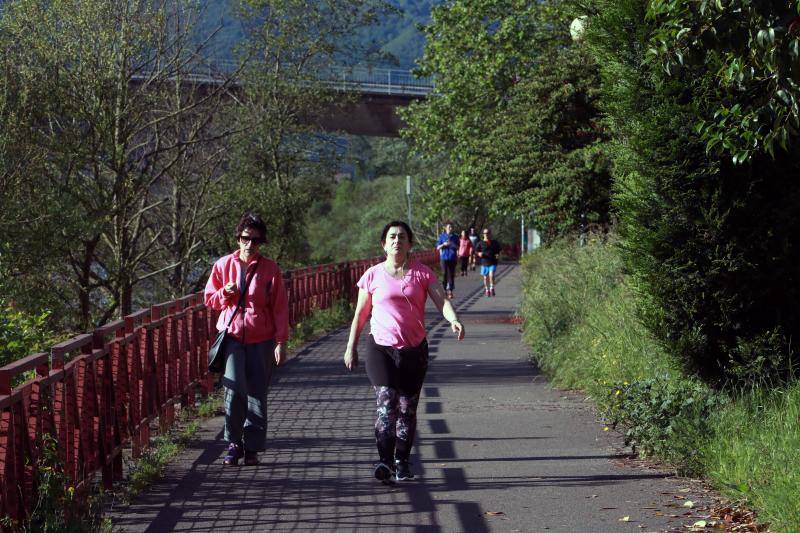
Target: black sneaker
[251, 458]
[383, 473]
[402, 470]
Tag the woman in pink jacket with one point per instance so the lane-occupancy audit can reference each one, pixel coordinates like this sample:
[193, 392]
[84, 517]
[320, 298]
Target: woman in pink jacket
[256, 339]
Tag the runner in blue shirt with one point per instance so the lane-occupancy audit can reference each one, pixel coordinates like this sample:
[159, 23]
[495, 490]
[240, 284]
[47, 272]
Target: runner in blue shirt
[447, 244]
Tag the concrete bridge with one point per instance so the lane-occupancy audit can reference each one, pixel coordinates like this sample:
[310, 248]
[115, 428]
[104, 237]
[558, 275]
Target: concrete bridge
[380, 92]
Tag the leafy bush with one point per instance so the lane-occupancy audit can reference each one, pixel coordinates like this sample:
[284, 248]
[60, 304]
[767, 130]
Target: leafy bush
[20, 334]
[710, 242]
[664, 417]
[59, 507]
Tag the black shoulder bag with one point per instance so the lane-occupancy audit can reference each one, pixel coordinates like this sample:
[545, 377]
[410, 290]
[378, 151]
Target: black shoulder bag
[216, 353]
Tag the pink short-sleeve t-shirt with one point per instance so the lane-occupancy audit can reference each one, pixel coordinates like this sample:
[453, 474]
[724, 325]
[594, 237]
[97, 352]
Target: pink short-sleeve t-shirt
[398, 306]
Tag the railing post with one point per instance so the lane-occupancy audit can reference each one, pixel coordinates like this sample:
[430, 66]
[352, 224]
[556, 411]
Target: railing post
[287, 284]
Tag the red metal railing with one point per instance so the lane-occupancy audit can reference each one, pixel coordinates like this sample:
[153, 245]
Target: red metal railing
[99, 392]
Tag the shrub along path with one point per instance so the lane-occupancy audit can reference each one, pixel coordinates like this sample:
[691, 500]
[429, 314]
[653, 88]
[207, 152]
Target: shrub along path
[497, 450]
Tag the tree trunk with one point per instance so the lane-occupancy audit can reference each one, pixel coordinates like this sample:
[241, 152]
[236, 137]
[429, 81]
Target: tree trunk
[85, 281]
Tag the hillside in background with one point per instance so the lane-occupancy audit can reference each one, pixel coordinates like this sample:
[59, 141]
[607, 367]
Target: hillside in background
[394, 42]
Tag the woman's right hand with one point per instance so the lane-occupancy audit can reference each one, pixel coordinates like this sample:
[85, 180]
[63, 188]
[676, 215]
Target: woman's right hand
[351, 358]
[229, 288]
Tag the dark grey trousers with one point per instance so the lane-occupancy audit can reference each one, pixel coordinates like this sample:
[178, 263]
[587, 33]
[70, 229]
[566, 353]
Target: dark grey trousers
[248, 370]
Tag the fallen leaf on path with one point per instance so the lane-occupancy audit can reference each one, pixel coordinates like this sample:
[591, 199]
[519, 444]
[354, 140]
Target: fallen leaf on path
[689, 504]
[625, 519]
[685, 490]
[700, 523]
[494, 513]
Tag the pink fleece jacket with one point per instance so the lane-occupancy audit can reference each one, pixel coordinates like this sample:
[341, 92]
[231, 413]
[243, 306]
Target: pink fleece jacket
[266, 306]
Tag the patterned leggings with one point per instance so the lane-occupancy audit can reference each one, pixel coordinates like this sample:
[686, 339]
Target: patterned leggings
[395, 424]
[396, 376]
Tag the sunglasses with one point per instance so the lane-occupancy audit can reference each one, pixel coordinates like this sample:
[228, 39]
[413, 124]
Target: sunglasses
[245, 239]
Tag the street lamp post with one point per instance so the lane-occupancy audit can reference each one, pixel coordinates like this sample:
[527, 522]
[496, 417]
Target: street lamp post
[408, 196]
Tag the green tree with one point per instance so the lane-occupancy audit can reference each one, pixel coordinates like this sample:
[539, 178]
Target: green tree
[280, 162]
[191, 185]
[91, 82]
[515, 113]
[348, 226]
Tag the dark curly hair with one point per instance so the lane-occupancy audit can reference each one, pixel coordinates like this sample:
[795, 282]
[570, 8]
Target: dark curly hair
[394, 224]
[251, 221]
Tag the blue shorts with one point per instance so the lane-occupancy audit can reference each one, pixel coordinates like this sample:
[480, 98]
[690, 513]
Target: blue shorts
[486, 269]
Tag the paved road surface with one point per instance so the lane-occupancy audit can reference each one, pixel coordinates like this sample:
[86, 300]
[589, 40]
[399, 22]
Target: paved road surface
[498, 449]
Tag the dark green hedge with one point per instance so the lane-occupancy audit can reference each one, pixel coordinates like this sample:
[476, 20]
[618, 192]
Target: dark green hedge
[712, 245]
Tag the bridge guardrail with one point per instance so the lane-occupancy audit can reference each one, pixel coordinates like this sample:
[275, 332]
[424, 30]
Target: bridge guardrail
[363, 79]
[124, 377]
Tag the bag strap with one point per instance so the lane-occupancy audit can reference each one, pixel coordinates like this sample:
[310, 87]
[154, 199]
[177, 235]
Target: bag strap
[243, 293]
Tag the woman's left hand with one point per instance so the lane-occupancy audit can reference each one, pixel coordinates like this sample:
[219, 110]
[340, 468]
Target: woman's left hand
[280, 353]
[458, 329]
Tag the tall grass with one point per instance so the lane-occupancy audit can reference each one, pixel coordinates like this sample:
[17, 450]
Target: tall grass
[580, 319]
[581, 324]
[320, 322]
[755, 454]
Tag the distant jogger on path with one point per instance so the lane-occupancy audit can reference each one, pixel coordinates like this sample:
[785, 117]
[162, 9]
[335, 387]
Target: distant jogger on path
[473, 239]
[394, 292]
[488, 250]
[447, 244]
[464, 251]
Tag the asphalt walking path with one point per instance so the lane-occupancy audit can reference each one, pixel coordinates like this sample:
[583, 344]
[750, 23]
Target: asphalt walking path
[497, 449]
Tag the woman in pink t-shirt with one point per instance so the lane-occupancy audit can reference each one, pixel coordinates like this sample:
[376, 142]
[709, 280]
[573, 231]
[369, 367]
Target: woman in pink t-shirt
[464, 251]
[394, 293]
